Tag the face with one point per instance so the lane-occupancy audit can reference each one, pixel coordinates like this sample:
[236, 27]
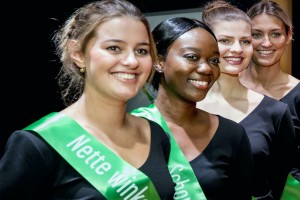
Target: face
[269, 40]
[191, 66]
[234, 41]
[117, 59]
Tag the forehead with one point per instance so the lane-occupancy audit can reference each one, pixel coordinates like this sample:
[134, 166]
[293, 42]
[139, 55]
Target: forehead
[267, 22]
[197, 37]
[122, 27]
[229, 28]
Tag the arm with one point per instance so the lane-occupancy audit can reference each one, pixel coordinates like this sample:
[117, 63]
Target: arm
[23, 169]
[284, 149]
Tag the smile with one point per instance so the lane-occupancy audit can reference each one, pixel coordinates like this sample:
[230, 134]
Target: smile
[125, 75]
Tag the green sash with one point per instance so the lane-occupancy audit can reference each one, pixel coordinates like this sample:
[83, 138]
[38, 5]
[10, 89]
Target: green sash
[187, 185]
[112, 176]
[291, 190]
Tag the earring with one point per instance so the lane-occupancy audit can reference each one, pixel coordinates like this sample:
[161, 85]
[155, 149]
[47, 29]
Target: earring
[82, 70]
[158, 68]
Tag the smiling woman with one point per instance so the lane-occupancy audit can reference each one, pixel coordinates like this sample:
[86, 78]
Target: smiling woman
[268, 122]
[93, 148]
[210, 155]
[272, 33]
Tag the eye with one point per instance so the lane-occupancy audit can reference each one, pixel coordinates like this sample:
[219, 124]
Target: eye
[142, 52]
[246, 41]
[114, 49]
[214, 61]
[191, 57]
[224, 41]
[275, 34]
[256, 35]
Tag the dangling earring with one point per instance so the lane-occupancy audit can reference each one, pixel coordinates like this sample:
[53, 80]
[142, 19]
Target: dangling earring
[158, 68]
[82, 70]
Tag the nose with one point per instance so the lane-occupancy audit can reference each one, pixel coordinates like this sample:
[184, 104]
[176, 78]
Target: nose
[130, 60]
[266, 42]
[204, 68]
[236, 47]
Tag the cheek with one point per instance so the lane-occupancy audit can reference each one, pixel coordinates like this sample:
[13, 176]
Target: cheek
[146, 64]
[249, 51]
[222, 63]
[216, 72]
[282, 44]
[222, 50]
[98, 58]
[255, 43]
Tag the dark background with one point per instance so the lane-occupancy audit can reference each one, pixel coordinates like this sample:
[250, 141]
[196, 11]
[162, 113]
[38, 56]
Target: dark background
[29, 66]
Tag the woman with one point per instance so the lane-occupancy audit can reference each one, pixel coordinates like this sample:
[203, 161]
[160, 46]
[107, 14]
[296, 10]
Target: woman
[210, 155]
[272, 32]
[267, 122]
[93, 149]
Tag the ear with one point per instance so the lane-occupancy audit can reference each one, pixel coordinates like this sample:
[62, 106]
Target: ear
[159, 66]
[76, 54]
[289, 37]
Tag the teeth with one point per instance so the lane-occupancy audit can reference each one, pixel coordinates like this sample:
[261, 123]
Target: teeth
[199, 82]
[233, 59]
[124, 75]
[265, 52]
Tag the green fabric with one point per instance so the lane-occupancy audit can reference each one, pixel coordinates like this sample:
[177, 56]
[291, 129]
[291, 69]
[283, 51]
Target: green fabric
[187, 185]
[112, 176]
[291, 190]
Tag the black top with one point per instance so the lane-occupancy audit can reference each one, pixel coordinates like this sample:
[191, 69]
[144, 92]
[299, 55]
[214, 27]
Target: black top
[292, 99]
[32, 170]
[224, 169]
[271, 133]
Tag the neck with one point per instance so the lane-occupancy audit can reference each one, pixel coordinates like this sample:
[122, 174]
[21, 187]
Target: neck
[174, 108]
[99, 113]
[229, 86]
[266, 76]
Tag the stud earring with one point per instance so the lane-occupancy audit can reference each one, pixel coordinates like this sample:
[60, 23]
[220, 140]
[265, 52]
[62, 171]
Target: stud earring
[82, 70]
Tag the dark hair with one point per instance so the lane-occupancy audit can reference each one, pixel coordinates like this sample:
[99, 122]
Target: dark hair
[219, 10]
[81, 26]
[165, 33]
[271, 8]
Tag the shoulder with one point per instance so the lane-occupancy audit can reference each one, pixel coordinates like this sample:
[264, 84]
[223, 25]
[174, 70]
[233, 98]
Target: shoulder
[231, 129]
[26, 139]
[273, 106]
[29, 148]
[293, 96]
[23, 141]
[275, 111]
[228, 124]
[145, 122]
[156, 128]
[141, 111]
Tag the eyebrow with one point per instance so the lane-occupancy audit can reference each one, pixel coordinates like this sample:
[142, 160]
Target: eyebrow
[230, 37]
[121, 41]
[197, 49]
[274, 29]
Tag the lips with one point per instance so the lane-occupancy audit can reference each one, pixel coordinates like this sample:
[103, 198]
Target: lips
[265, 52]
[125, 75]
[200, 83]
[235, 59]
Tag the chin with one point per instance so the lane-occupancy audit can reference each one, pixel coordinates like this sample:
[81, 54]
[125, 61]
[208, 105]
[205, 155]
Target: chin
[129, 95]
